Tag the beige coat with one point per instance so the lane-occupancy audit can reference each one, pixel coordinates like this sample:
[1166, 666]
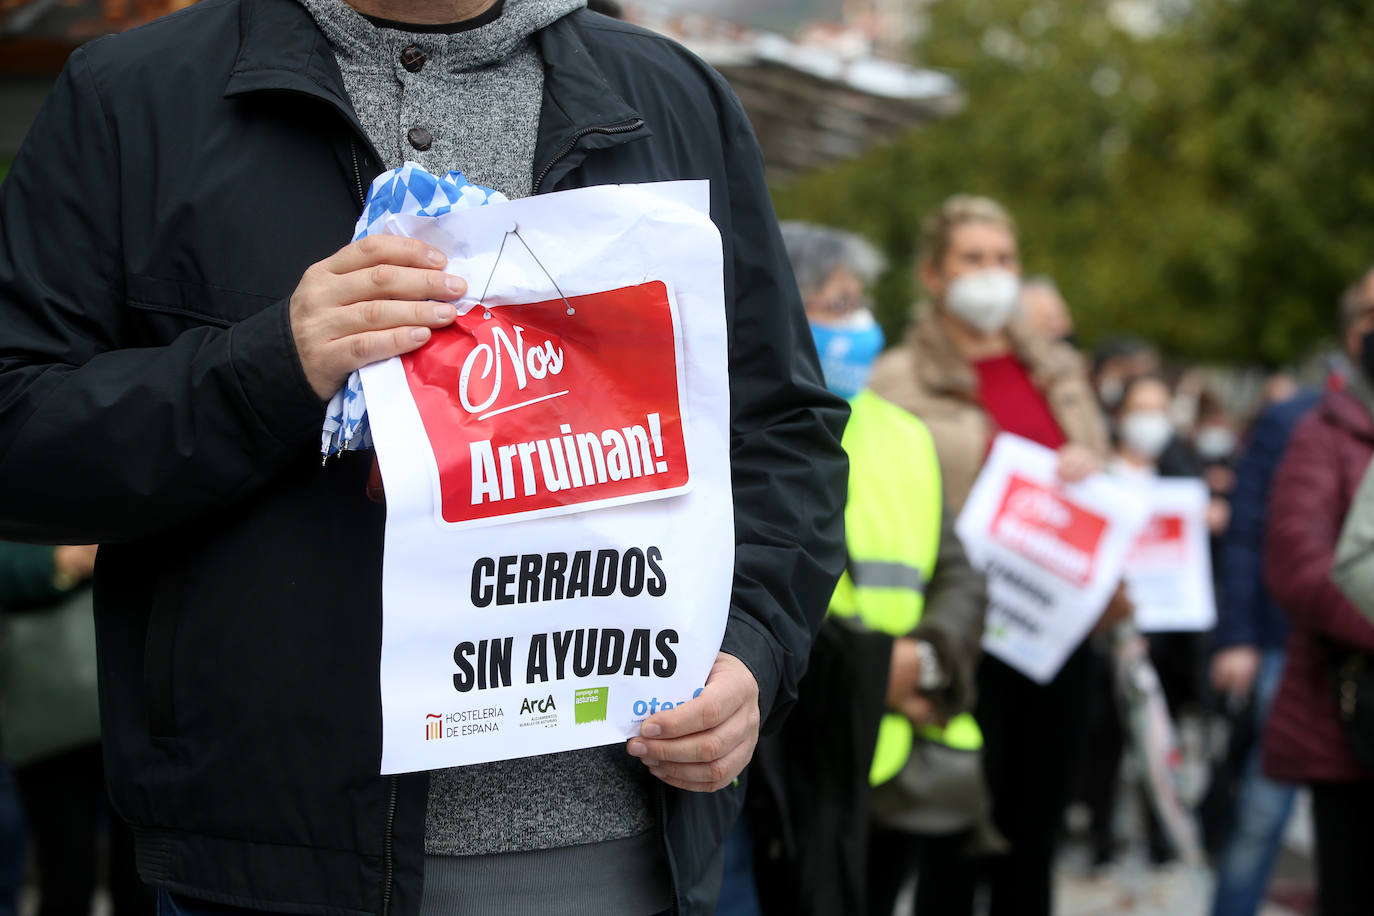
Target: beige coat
[926, 375]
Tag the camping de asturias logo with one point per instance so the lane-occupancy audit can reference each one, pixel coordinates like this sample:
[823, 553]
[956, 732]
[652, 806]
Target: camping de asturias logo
[590, 704]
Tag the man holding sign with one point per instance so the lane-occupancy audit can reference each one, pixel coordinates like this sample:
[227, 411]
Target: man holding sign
[177, 304]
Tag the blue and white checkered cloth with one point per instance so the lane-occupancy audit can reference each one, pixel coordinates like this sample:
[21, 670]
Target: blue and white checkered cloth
[409, 190]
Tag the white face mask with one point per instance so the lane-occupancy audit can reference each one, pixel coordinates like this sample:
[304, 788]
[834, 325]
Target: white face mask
[1215, 443]
[986, 299]
[1146, 432]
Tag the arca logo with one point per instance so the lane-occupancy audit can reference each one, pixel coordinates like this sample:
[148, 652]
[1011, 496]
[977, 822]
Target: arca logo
[531, 706]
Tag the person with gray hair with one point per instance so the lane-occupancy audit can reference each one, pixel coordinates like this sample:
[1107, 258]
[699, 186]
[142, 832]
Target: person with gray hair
[857, 802]
[817, 252]
[833, 269]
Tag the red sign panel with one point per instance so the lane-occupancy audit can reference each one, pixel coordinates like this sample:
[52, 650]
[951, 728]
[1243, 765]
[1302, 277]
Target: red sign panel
[1042, 525]
[1162, 541]
[531, 409]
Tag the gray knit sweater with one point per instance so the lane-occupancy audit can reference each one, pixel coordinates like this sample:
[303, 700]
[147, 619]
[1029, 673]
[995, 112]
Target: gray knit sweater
[478, 95]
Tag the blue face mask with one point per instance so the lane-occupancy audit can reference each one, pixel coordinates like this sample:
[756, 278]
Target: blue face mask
[848, 351]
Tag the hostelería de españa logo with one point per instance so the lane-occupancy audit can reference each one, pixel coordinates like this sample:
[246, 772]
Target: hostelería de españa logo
[530, 409]
[1051, 531]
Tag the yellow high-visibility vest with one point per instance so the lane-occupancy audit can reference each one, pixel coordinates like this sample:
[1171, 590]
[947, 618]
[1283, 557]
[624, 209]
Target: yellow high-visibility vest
[892, 531]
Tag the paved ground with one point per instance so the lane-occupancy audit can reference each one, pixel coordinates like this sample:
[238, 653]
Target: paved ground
[1136, 889]
[1132, 886]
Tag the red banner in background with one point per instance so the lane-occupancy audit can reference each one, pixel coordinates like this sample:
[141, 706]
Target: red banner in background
[1056, 533]
[530, 409]
[1164, 540]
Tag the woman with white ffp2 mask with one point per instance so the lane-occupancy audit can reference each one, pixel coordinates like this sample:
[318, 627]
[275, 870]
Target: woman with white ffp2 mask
[1143, 427]
[970, 370]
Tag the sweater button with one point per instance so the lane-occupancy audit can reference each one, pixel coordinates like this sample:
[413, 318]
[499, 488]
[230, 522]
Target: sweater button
[413, 59]
[420, 138]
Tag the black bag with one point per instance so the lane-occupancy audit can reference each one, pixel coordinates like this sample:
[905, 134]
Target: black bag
[1353, 677]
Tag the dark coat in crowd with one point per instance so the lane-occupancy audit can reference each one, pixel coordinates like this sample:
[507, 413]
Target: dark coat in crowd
[810, 799]
[179, 181]
[1248, 616]
[1313, 490]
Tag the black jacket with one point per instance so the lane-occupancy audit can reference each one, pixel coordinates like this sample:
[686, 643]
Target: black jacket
[809, 796]
[178, 182]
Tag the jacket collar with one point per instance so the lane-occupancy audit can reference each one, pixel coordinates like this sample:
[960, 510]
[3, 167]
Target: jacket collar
[581, 111]
[1353, 408]
[941, 368]
[281, 49]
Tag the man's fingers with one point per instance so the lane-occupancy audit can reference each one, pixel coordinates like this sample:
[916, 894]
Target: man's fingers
[391, 281]
[384, 249]
[712, 706]
[699, 747]
[729, 686]
[705, 777]
[364, 349]
[704, 743]
[384, 314]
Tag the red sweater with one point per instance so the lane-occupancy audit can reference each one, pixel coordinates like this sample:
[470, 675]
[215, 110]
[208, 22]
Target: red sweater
[1312, 492]
[1015, 405]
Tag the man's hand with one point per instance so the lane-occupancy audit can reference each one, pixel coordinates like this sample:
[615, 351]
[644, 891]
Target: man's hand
[1218, 515]
[73, 565]
[1119, 608]
[1234, 670]
[374, 299]
[702, 745]
[1077, 463]
[920, 710]
[904, 674]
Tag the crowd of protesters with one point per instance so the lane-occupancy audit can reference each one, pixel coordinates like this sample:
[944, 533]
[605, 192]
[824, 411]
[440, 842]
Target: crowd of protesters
[913, 770]
[986, 354]
[942, 770]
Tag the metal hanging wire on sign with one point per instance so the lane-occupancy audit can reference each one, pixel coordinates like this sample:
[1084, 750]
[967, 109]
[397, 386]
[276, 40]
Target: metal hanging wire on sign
[515, 231]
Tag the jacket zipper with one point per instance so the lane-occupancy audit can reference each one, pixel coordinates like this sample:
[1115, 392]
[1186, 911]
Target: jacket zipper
[387, 844]
[623, 127]
[357, 175]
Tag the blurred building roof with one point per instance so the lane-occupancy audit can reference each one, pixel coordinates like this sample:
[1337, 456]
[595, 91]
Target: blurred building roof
[830, 95]
[816, 100]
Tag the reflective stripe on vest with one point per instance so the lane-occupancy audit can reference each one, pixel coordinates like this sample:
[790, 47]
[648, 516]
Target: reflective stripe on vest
[876, 574]
[892, 531]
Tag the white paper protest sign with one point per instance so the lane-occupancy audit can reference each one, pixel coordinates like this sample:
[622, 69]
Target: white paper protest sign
[1053, 552]
[560, 534]
[1169, 568]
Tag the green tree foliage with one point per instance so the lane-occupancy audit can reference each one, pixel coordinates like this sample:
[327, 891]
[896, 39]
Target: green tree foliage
[1201, 174]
